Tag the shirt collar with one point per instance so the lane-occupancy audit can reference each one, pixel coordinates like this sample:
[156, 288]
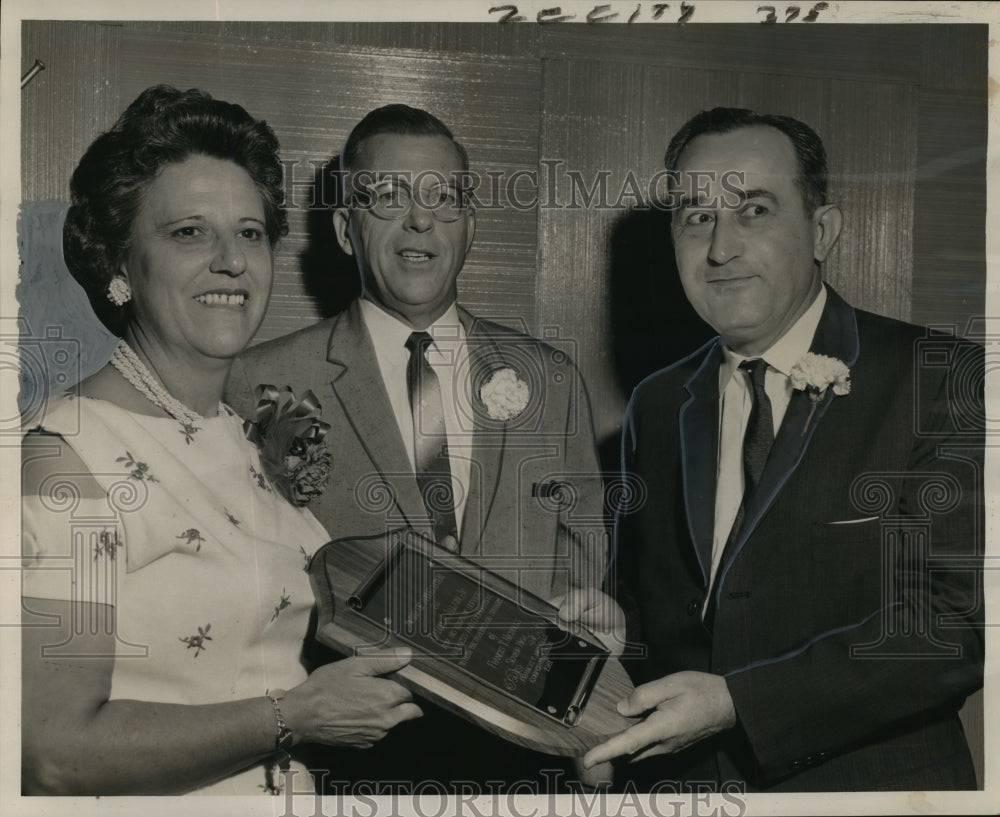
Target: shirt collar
[389, 334]
[787, 350]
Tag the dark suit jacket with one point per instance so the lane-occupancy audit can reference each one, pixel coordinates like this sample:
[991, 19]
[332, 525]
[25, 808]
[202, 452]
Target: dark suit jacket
[535, 509]
[847, 614]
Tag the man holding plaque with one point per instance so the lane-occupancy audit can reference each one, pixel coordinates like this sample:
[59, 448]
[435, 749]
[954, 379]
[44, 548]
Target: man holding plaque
[808, 580]
[474, 434]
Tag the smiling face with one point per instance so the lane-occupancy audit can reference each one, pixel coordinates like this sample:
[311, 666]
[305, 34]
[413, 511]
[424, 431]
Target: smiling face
[409, 265]
[200, 263]
[746, 248]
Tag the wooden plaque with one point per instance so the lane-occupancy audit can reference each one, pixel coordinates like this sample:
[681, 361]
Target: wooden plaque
[482, 647]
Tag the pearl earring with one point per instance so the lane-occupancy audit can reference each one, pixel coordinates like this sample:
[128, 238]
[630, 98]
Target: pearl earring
[119, 292]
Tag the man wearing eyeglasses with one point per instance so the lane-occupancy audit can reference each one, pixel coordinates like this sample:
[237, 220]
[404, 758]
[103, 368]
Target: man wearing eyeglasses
[478, 435]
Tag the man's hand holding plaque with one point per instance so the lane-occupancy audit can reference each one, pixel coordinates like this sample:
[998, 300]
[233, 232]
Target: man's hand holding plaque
[597, 612]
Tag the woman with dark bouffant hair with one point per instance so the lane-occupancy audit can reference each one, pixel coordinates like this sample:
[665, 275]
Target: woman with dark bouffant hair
[166, 604]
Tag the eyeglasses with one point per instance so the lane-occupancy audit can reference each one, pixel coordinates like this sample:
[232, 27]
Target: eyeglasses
[393, 199]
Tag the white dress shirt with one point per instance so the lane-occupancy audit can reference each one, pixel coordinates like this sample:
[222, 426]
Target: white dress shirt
[448, 357]
[735, 402]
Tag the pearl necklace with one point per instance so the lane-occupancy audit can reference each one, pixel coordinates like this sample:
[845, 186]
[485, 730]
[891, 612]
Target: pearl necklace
[127, 362]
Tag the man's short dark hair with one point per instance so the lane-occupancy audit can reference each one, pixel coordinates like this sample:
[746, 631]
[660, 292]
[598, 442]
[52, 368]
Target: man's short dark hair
[396, 119]
[809, 150]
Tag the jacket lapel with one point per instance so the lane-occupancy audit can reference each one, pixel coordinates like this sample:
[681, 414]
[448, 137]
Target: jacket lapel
[489, 442]
[357, 384]
[836, 336]
[699, 439]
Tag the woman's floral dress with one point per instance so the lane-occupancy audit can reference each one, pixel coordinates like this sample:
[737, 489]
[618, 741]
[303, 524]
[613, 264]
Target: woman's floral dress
[204, 562]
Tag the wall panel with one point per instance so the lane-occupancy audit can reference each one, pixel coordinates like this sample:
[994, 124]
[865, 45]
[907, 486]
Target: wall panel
[65, 106]
[863, 52]
[948, 233]
[474, 39]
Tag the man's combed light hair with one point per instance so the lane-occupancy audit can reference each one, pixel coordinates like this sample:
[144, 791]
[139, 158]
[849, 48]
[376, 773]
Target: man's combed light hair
[397, 119]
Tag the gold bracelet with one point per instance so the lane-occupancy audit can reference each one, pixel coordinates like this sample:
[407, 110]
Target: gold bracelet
[283, 740]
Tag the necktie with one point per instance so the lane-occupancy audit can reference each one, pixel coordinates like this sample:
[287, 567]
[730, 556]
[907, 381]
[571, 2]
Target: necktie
[760, 426]
[430, 441]
[757, 443]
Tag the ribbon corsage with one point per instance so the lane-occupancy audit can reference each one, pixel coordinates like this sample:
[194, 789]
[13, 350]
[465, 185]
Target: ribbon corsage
[289, 435]
[815, 373]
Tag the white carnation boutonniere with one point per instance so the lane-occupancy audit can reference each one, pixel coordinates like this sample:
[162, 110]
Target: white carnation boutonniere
[814, 374]
[504, 394]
